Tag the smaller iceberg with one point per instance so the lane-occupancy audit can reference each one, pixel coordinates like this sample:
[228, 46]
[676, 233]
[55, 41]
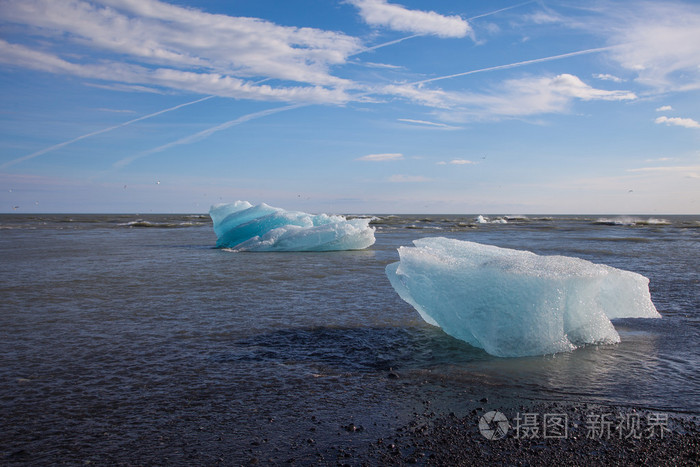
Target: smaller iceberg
[514, 303]
[244, 227]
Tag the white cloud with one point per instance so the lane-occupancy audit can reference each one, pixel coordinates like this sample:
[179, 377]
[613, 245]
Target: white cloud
[661, 159]
[424, 123]
[125, 88]
[382, 65]
[608, 77]
[664, 108]
[151, 45]
[657, 40]
[677, 121]
[692, 171]
[673, 168]
[198, 82]
[399, 18]
[116, 111]
[159, 44]
[381, 157]
[418, 94]
[458, 162]
[570, 85]
[408, 179]
[513, 98]
[544, 17]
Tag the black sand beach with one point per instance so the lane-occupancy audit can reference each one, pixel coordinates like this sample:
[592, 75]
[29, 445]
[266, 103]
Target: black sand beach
[433, 439]
[427, 433]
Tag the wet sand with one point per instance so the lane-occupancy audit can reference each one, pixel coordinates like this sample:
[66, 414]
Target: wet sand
[401, 421]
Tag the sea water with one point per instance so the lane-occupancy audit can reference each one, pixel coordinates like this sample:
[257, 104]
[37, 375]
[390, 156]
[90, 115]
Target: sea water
[128, 338]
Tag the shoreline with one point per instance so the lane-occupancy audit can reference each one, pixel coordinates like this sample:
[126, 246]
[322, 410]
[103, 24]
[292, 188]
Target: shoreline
[431, 433]
[391, 418]
[425, 430]
[594, 435]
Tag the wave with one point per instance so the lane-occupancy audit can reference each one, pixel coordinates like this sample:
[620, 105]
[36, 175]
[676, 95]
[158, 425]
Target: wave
[630, 221]
[159, 225]
[485, 220]
[621, 239]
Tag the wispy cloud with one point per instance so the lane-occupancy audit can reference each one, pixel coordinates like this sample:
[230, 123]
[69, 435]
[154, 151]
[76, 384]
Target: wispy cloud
[427, 124]
[658, 41]
[381, 157]
[511, 98]
[179, 48]
[399, 18]
[162, 46]
[408, 179]
[125, 88]
[116, 111]
[458, 162]
[678, 121]
[382, 65]
[689, 171]
[418, 94]
[98, 132]
[664, 108]
[166, 46]
[608, 77]
[661, 159]
[201, 82]
[544, 17]
[396, 41]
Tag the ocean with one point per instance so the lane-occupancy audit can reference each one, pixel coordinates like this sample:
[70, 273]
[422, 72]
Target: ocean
[129, 339]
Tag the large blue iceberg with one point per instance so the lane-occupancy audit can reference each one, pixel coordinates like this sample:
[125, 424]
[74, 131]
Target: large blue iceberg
[244, 227]
[515, 303]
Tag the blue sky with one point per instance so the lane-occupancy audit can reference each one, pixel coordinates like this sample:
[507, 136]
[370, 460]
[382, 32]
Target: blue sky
[350, 106]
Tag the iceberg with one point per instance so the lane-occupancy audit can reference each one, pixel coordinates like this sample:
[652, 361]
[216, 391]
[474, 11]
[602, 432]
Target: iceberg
[244, 227]
[514, 303]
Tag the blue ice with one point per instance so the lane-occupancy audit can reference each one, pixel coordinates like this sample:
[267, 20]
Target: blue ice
[244, 227]
[514, 303]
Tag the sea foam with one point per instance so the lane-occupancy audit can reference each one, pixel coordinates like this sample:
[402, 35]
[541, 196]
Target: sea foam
[515, 303]
[244, 227]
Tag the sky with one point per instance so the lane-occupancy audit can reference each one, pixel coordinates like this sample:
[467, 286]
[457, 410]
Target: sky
[350, 106]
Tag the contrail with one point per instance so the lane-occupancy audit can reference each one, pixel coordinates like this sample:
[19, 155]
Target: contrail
[378, 46]
[498, 11]
[104, 130]
[205, 133]
[517, 64]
